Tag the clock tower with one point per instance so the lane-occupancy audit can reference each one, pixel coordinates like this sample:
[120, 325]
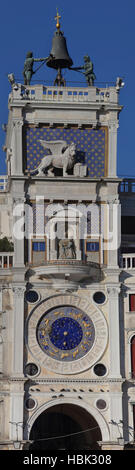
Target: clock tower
[61, 289]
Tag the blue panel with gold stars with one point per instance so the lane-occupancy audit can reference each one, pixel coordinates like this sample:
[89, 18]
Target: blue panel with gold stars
[92, 148]
[66, 333]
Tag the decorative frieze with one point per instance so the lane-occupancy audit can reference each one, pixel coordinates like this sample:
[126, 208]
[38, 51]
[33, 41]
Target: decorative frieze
[114, 330]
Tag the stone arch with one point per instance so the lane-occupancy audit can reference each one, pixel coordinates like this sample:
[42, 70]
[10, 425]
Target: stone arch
[131, 336]
[132, 352]
[91, 411]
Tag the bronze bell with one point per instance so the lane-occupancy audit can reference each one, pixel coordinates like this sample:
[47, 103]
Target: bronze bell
[59, 57]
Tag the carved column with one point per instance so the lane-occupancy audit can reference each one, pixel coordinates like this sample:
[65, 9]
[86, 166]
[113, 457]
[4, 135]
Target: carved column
[17, 165]
[116, 415]
[18, 230]
[17, 414]
[113, 126]
[114, 230]
[0, 299]
[114, 331]
[18, 330]
[1, 337]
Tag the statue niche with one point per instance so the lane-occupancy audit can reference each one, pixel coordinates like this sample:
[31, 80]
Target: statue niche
[67, 249]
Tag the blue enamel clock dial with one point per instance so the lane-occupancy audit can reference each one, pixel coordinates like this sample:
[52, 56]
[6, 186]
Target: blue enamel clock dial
[65, 333]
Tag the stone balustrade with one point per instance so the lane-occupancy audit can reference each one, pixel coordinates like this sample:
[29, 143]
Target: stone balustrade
[127, 186]
[6, 260]
[64, 94]
[127, 261]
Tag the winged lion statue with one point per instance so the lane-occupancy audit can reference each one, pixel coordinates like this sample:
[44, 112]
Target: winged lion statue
[60, 155]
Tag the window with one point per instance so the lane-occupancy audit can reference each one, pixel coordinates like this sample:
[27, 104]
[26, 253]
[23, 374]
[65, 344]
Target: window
[134, 419]
[133, 357]
[99, 297]
[128, 249]
[101, 404]
[38, 251]
[32, 296]
[124, 187]
[38, 246]
[100, 370]
[132, 302]
[30, 403]
[128, 225]
[31, 369]
[92, 246]
[88, 222]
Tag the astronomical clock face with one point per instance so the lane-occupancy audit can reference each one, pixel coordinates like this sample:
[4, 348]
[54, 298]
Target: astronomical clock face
[66, 334]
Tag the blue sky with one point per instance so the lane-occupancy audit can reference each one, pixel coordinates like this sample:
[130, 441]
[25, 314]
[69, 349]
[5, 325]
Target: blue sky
[103, 29]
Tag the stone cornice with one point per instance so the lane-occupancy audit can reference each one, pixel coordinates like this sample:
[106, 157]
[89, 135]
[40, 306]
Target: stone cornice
[68, 178]
[40, 104]
[37, 380]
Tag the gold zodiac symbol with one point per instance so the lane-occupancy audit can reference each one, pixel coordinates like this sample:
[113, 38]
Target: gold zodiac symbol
[83, 347]
[75, 353]
[43, 331]
[85, 324]
[55, 350]
[44, 343]
[64, 355]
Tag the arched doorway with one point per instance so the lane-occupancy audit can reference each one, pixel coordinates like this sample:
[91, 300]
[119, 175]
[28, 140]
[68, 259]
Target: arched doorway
[65, 426]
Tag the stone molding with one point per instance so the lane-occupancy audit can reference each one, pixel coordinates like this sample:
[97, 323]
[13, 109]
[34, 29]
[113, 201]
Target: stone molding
[42, 381]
